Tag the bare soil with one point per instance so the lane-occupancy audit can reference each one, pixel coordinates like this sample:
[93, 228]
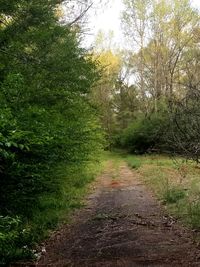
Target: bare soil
[122, 224]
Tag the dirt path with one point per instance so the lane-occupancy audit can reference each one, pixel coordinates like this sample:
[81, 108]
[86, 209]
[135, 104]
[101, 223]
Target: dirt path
[121, 225]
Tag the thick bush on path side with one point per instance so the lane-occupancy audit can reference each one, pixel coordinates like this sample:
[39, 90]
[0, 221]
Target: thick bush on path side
[49, 132]
[144, 134]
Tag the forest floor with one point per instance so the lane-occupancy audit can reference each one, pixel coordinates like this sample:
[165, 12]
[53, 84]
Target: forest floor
[122, 224]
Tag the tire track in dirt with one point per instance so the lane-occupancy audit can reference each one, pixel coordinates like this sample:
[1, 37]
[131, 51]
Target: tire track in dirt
[121, 225]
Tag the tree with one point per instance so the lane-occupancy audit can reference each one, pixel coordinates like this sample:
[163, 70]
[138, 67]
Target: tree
[163, 49]
[102, 95]
[167, 29]
[136, 17]
[46, 119]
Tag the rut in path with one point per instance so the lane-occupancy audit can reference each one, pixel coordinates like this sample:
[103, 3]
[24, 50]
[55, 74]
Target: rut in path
[121, 225]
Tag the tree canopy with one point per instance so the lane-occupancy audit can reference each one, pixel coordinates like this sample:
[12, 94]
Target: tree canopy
[46, 119]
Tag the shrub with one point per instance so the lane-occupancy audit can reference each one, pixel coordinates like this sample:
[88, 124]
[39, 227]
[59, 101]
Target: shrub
[13, 240]
[144, 134]
[46, 120]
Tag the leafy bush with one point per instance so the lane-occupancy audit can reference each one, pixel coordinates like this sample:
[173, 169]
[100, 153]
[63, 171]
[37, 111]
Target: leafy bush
[13, 240]
[46, 122]
[144, 134]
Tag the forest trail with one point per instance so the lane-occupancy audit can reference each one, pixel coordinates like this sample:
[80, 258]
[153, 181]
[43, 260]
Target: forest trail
[122, 224]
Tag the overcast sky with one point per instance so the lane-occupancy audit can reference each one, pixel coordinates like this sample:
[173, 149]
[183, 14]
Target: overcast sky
[109, 20]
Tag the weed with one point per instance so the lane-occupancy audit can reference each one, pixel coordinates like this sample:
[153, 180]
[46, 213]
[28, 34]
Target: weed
[173, 195]
[100, 217]
[18, 236]
[134, 162]
[175, 182]
[193, 209]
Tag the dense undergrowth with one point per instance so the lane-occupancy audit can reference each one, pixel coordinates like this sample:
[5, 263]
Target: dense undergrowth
[145, 134]
[20, 235]
[50, 136]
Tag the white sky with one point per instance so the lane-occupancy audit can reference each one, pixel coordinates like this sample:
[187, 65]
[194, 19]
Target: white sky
[109, 20]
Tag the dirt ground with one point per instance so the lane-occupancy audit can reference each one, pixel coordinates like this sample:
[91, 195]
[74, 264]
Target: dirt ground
[122, 224]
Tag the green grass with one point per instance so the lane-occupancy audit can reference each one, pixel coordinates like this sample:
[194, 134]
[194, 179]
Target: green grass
[173, 195]
[19, 237]
[115, 159]
[133, 162]
[174, 181]
[56, 208]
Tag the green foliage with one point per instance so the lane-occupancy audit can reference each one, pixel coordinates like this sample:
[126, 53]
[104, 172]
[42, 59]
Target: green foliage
[178, 190]
[13, 240]
[133, 162]
[193, 211]
[143, 134]
[186, 126]
[173, 195]
[49, 132]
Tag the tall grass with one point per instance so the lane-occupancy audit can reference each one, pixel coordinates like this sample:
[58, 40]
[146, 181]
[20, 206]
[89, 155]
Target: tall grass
[174, 181]
[19, 236]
